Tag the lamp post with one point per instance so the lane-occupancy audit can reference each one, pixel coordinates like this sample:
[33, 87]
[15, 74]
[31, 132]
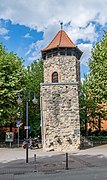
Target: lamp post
[19, 100]
[18, 125]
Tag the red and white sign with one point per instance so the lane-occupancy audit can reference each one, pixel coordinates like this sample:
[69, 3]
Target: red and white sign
[25, 127]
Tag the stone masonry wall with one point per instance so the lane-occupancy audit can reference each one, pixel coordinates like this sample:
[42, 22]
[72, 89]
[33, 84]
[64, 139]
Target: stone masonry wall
[59, 104]
[60, 117]
[64, 65]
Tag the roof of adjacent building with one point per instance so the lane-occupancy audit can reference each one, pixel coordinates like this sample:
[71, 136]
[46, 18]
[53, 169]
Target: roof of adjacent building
[60, 40]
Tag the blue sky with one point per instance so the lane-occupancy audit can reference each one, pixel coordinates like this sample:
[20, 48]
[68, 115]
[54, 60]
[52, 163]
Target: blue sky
[26, 26]
[19, 38]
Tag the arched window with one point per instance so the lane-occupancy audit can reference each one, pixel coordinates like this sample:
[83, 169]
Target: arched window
[54, 77]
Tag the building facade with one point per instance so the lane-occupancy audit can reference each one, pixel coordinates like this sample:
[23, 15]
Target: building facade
[60, 94]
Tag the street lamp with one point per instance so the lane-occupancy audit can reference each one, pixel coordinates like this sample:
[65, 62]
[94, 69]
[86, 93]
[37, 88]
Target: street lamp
[19, 101]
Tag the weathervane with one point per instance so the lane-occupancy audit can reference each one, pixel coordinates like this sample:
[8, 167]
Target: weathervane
[61, 23]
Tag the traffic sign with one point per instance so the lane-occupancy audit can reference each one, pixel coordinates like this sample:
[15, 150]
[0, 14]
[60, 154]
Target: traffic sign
[26, 127]
[18, 123]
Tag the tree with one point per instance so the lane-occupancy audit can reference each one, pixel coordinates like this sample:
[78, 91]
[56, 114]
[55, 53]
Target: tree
[34, 78]
[12, 80]
[87, 105]
[95, 85]
[83, 106]
[98, 71]
[97, 79]
[91, 112]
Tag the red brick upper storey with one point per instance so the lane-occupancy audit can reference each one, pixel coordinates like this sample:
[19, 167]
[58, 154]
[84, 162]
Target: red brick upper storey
[60, 40]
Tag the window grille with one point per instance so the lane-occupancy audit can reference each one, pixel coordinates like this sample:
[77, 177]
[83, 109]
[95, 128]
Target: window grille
[55, 77]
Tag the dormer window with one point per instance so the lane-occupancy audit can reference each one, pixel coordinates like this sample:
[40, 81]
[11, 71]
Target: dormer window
[54, 77]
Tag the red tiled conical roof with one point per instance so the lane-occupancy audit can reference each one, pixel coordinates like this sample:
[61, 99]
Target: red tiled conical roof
[60, 40]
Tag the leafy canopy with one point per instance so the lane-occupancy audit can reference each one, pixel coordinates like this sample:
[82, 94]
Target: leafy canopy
[98, 71]
[12, 79]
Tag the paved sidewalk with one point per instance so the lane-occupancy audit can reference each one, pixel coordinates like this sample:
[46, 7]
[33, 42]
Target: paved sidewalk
[11, 154]
[12, 161]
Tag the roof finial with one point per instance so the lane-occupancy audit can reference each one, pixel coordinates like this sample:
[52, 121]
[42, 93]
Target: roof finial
[61, 23]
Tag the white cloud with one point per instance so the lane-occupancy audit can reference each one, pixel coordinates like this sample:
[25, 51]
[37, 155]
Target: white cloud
[86, 33]
[45, 16]
[43, 13]
[6, 37]
[86, 49]
[27, 35]
[3, 31]
[30, 48]
[49, 33]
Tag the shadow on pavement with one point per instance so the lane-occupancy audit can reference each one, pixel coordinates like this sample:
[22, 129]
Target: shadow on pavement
[53, 164]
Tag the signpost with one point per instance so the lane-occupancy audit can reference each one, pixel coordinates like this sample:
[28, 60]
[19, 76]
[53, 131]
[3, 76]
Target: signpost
[18, 125]
[9, 137]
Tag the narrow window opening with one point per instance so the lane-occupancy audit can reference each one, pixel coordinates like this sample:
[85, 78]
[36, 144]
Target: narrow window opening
[55, 77]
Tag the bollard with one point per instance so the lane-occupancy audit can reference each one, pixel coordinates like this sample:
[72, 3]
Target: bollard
[35, 163]
[35, 158]
[66, 161]
[10, 144]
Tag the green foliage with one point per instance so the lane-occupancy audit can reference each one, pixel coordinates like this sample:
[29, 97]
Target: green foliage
[98, 71]
[34, 78]
[15, 79]
[12, 79]
[87, 105]
[91, 112]
[93, 95]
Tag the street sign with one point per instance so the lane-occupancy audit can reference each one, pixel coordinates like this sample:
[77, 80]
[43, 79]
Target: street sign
[26, 127]
[18, 123]
[9, 137]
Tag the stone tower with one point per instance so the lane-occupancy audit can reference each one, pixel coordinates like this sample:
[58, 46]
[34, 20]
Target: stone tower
[60, 94]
